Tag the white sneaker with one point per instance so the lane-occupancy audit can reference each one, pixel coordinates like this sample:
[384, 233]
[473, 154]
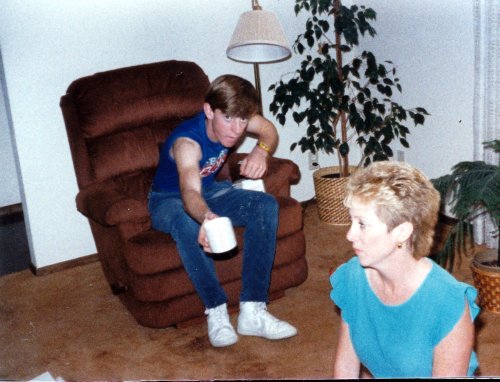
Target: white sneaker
[255, 320]
[220, 331]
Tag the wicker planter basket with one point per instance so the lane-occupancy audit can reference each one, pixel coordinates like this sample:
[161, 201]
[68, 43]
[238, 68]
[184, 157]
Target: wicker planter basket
[330, 195]
[487, 281]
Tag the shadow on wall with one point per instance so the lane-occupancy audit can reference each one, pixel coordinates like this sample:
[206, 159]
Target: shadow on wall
[14, 250]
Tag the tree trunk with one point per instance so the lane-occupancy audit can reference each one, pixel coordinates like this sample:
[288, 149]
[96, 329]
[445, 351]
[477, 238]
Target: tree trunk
[343, 160]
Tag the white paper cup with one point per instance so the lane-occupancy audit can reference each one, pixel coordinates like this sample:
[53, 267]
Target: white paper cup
[220, 234]
[250, 184]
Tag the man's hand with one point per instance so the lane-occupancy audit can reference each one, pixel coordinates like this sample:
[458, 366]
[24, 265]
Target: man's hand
[202, 235]
[254, 166]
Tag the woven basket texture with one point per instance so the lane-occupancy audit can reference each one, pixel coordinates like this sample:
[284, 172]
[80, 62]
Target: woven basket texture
[487, 281]
[330, 193]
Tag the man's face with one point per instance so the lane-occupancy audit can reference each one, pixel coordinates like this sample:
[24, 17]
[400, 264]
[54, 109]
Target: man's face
[224, 128]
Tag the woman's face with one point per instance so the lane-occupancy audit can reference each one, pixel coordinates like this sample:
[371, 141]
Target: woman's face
[371, 241]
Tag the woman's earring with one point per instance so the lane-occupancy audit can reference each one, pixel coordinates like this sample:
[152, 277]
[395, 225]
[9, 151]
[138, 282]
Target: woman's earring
[400, 245]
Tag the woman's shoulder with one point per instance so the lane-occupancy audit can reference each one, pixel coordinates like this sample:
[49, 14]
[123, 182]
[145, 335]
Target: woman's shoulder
[449, 293]
[439, 277]
[348, 269]
[346, 275]
[345, 286]
[446, 298]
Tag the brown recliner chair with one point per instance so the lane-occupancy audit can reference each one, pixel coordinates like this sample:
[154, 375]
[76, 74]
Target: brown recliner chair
[116, 122]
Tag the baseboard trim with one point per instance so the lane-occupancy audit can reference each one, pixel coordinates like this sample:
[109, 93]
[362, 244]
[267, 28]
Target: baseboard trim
[11, 214]
[42, 271]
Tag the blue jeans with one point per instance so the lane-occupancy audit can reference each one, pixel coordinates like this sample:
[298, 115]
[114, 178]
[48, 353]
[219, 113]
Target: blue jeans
[256, 211]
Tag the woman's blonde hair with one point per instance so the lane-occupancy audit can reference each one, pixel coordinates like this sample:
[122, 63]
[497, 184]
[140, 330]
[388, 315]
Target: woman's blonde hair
[400, 193]
[233, 95]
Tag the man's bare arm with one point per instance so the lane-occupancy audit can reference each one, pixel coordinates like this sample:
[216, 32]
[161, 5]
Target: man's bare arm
[187, 154]
[254, 165]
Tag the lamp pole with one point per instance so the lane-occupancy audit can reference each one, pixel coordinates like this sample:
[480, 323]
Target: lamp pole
[256, 71]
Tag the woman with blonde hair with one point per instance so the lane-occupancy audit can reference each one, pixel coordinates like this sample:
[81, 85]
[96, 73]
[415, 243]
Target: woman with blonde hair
[402, 315]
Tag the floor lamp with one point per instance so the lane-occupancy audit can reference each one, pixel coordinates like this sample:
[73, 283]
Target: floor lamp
[258, 38]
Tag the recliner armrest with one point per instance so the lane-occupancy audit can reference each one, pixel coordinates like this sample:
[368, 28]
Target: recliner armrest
[280, 175]
[108, 204]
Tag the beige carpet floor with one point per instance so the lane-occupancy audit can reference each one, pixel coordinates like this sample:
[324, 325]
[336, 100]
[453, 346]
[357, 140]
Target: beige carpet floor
[70, 325]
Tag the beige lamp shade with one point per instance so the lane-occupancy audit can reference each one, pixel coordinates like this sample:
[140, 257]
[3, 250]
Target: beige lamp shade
[258, 38]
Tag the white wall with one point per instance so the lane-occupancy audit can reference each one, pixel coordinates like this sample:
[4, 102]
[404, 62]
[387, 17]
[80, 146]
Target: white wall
[9, 186]
[46, 44]
[432, 44]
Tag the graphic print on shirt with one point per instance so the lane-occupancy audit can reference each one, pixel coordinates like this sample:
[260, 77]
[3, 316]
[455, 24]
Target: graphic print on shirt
[213, 164]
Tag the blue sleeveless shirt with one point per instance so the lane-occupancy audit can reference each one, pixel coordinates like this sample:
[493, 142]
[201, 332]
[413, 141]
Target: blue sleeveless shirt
[214, 154]
[399, 340]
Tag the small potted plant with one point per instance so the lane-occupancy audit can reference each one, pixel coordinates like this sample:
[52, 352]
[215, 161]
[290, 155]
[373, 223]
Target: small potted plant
[339, 101]
[472, 189]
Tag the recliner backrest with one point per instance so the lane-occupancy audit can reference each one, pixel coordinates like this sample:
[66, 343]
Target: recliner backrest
[117, 119]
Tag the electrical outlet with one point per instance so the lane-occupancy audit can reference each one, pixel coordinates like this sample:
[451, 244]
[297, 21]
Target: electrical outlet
[400, 155]
[313, 161]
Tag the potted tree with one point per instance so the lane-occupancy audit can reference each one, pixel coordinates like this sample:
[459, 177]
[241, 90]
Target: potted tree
[339, 100]
[472, 189]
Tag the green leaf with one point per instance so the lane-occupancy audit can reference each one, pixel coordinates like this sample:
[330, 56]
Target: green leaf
[344, 149]
[387, 150]
[371, 63]
[379, 156]
[318, 32]
[370, 14]
[367, 107]
[300, 48]
[381, 71]
[310, 41]
[419, 119]
[282, 119]
[296, 117]
[297, 9]
[324, 25]
[351, 35]
[422, 110]
[312, 130]
[404, 130]
[381, 88]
